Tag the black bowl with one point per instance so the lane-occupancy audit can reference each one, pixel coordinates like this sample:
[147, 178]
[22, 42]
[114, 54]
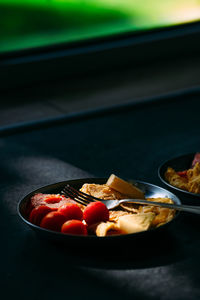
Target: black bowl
[150, 190]
[179, 163]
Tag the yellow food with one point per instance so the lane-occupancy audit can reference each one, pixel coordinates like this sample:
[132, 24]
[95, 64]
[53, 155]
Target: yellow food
[101, 191]
[162, 214]
[193, 176]
[128, 217]
[108, 228]
[114, 215]
[136, 222]
[124, 187]
[176, 180]
[190, 182]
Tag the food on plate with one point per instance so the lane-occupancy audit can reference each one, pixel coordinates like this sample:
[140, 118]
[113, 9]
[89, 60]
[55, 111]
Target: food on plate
[74, 227]
[101, 191]
[59, 213]
[124, 187]
[107, 229]
[162, 214]
[71, 211]
[175, 179]
[38, 213]
[95, 212]
[136, 222]
[46, 199]
[196, 159]
[188, 180]
[53, 221]
[114, 215]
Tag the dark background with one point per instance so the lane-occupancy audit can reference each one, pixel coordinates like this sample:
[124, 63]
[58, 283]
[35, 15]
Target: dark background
[130, 141]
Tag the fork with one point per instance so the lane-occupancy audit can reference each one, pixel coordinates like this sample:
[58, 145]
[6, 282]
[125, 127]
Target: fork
[85, 199]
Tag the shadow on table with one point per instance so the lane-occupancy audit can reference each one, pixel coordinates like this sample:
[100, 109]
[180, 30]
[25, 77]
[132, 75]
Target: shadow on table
[163, 248]
[49, 265]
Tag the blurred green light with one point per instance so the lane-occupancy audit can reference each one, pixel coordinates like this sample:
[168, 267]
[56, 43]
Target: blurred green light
[33, 23]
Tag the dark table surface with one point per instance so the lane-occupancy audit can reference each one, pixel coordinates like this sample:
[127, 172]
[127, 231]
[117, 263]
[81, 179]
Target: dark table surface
[130, 141]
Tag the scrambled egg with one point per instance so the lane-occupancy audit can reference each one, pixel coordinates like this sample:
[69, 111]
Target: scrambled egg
[190, 182]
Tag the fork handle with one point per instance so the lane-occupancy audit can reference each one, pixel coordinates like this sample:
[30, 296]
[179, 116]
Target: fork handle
[186, 208]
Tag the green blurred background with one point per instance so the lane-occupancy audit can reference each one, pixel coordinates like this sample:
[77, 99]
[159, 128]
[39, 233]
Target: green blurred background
[31, 23]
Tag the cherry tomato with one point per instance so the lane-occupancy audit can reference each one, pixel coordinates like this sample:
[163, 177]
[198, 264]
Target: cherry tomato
[71, 211]
[74, 227]
[95, 212]
[53, 221]
[38, 213]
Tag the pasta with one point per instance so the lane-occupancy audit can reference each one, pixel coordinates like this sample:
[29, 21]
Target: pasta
[188, 180]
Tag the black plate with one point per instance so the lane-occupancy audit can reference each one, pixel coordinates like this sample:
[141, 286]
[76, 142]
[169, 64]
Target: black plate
[150, 190]
[179, 163]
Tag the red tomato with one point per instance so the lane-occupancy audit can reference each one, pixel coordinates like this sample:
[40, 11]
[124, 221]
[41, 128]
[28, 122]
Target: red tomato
[53, 221]
[196, 159]
[53, 198]
[74, 227]
[71, 211]
[95, 212]
[182, 173]
[38, 213]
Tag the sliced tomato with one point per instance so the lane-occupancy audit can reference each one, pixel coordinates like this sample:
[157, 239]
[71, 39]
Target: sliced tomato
[53, 221]
[53, 198]
[38, 213]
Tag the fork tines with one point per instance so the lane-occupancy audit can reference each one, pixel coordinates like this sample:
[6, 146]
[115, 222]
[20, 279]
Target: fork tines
[78, 196]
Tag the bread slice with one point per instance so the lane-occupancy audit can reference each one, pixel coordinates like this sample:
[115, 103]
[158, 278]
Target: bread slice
[124, 187]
